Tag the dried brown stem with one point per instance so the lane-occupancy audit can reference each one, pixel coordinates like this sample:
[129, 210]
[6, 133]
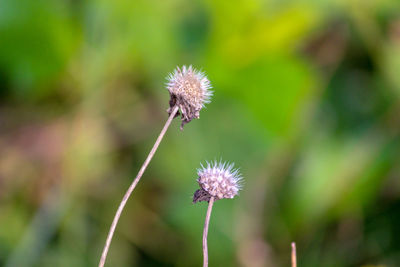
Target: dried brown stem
[205, 232]
[132, 187]
[294, 260]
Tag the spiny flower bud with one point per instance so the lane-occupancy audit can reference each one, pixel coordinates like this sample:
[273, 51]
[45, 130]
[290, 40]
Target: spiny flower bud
[190, 91]
[219, 180]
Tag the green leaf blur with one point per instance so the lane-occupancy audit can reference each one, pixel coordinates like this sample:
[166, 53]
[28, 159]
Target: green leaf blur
[306, 102]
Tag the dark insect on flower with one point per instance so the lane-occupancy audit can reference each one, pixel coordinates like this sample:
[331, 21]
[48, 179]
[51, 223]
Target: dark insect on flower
[201, 195]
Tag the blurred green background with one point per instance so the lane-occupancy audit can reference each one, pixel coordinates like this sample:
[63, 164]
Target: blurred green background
[306, 103]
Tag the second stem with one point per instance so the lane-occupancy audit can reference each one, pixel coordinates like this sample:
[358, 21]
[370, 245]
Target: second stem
[205, 232]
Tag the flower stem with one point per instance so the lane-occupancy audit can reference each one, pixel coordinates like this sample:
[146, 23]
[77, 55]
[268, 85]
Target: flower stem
[132, 187]
[205, 232]
[294, 260]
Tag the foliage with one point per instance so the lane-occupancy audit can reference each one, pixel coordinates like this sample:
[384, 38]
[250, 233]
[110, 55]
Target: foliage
[306, 101]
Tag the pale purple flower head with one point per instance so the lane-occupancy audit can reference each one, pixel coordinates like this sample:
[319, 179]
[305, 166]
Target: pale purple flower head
[190, 91]
[219, 180]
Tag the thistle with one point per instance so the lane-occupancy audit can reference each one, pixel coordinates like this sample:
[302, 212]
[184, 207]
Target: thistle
[190, 91]
[217, 181]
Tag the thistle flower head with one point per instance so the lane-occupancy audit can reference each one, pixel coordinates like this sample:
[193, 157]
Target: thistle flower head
[219, 180]
[190, 91]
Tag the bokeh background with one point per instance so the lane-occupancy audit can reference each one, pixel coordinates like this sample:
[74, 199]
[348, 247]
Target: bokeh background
[307, 104]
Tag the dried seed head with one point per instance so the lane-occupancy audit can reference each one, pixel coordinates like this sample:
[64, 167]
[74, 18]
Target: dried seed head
[190, 91]
[219, 180]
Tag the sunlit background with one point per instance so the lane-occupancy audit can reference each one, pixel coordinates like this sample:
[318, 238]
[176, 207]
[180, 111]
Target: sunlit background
[306, 103]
